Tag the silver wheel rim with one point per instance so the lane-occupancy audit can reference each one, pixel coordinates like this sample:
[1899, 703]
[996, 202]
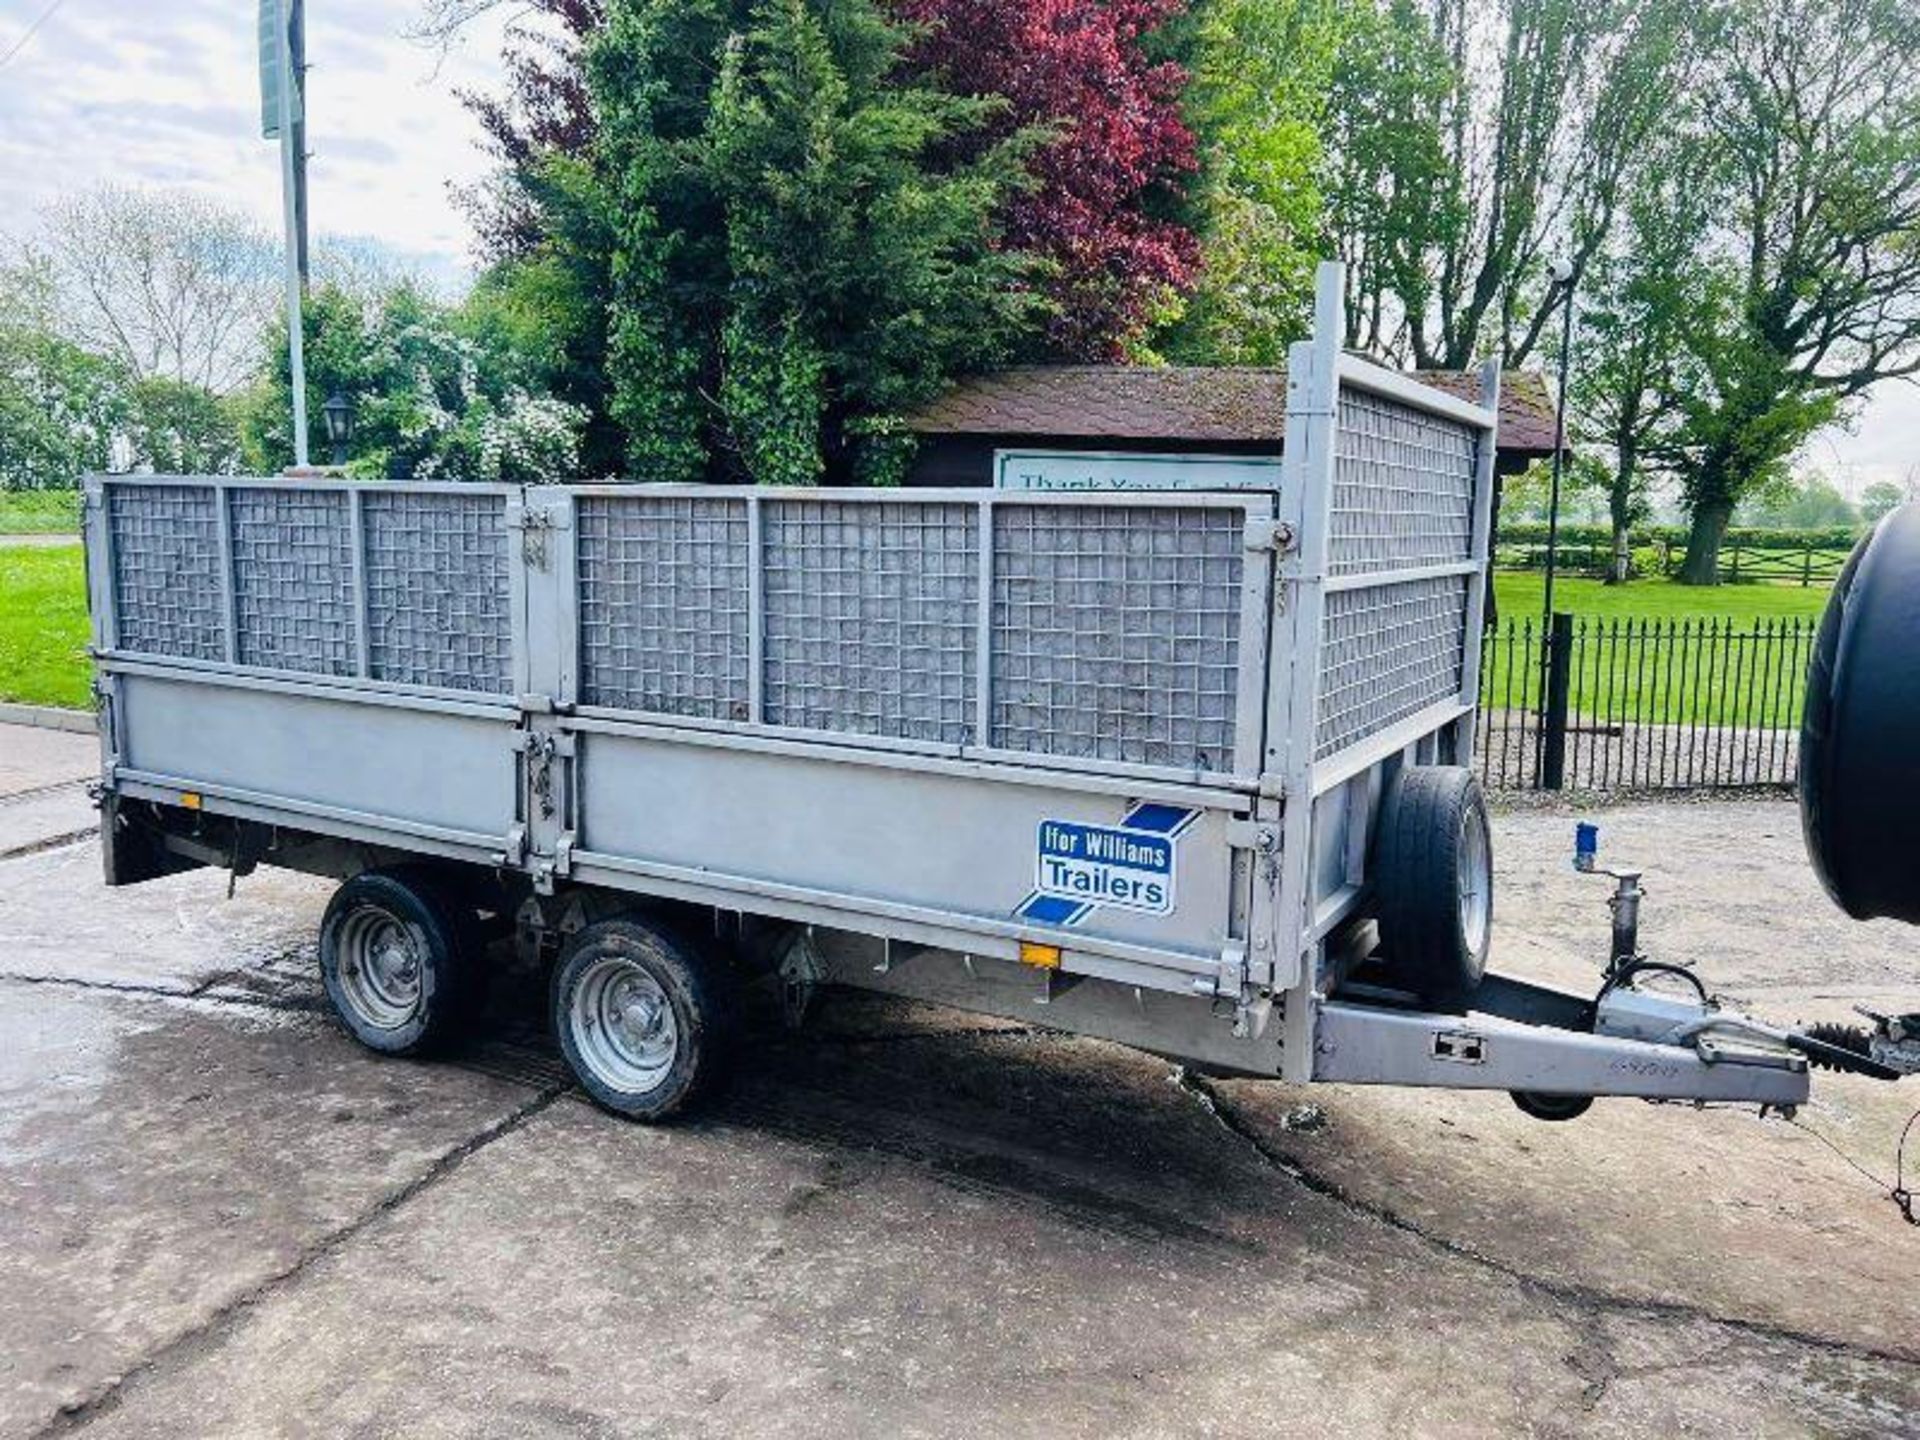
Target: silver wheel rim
[1475, 883]
[623, 1026]
[382, 965]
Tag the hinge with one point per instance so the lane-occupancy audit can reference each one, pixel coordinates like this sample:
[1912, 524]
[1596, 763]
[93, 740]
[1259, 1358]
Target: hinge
[515, 852]
[535, 704]
[563, 853]
[1266, 534]
[1273, 787]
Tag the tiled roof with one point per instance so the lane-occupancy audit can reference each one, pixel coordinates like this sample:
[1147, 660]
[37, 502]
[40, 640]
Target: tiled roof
[1139, 402]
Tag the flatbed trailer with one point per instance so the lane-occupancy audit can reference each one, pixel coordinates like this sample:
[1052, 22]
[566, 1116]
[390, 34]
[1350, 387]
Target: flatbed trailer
[1182, 769]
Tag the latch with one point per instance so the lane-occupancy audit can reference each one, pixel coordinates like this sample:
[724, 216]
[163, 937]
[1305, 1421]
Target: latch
[1253, 835]
[535, 526]
[542, 748]
[1266, 534]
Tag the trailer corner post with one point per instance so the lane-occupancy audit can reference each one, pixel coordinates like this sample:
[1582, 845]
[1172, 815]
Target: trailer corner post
[1485, 482]
[1310, 457]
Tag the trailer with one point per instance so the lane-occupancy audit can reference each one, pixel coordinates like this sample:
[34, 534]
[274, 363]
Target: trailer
[1183, 769]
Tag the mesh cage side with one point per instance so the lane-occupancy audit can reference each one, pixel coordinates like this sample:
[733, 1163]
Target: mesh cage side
[438, 594]
[663, 604]
[1388, 652]
[168, 598]
[1116, 632]
[1403, 488]
[870, 617]
[293, 580]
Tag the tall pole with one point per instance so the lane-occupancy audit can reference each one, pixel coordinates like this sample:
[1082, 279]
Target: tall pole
[289, 144]
[1559, 447]
[297, 61]
[1553, 642]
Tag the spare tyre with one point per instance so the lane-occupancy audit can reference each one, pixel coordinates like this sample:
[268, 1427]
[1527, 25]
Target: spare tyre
[1432, 872]
[1860, 731]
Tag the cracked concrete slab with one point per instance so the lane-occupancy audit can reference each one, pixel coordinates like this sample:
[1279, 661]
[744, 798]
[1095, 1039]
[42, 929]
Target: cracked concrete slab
[218, 1217]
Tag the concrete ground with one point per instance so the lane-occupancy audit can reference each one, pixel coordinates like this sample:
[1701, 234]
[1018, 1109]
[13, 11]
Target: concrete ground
[219, 1217]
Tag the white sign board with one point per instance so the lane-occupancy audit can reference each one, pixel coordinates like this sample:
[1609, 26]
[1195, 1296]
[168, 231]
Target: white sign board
[1131, 470]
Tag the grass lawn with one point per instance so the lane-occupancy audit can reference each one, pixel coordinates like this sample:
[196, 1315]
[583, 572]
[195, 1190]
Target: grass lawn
[1653, 652]
[1520, 592]
[39, 512]
[43, 627]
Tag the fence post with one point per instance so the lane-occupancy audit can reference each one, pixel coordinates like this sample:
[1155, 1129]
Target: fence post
[1553, 720]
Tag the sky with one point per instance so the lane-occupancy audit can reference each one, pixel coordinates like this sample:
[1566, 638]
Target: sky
[164, 93]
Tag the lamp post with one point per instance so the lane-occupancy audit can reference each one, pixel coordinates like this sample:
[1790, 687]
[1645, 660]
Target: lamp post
[1550, 759]
[1562, 280]
[338, 413]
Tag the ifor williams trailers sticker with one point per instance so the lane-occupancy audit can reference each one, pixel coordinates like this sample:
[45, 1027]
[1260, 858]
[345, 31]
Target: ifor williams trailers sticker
[1079, 868]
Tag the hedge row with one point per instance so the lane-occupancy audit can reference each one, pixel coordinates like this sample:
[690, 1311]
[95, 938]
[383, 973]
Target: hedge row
[1839, 537]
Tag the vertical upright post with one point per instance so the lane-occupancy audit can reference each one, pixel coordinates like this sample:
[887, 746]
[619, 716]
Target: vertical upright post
[1310, 456]
[983, 628]
[1481, 550]
[756, 611]
[290, 204]
[1553, 730]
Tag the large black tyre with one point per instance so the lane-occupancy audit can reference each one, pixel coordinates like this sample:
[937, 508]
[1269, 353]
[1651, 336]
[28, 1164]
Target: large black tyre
[1433, 882]
[1860, 735]
[642, 1017]
[400, 959]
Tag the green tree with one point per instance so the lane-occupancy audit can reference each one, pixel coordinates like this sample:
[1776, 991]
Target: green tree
[1790, 502]
[1473, 142]
[1814, 116]
[60, 405]
[174, 427]
[438, 391]
[1881, 499]
[1632, 369]
[1262, 71]
[803, 247]
[1393, 197]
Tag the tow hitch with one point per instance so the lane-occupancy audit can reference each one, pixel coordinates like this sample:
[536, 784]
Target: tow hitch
[1715, 1032]
[1653, 1030]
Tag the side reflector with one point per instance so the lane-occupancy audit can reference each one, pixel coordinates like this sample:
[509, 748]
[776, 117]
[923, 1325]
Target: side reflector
[1043, 957]
[190, 800]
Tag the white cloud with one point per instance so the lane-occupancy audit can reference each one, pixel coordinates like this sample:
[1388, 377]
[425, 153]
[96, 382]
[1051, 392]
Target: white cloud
[165, 93]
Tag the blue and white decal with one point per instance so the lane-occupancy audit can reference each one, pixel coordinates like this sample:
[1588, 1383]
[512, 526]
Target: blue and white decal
[1130, 866]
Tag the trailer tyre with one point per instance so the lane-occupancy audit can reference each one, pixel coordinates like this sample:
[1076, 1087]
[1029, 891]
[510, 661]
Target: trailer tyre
[640, 1016]
[400, 960]
[1433, 875]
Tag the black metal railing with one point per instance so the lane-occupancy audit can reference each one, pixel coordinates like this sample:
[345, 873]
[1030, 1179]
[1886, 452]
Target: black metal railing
[1642, 704]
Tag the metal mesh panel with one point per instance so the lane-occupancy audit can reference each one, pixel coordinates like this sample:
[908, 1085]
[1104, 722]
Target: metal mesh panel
[1403, 487]
[663, 604]
[1116, 632]
[437, 590]
[1387, 652]
[293, 580]
[870, 617]
[166, 569]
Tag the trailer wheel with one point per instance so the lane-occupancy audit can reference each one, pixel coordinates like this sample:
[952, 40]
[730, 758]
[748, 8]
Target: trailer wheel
[640, 1016]
[1433, 876]
[399, 959]
[1542, 1106]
